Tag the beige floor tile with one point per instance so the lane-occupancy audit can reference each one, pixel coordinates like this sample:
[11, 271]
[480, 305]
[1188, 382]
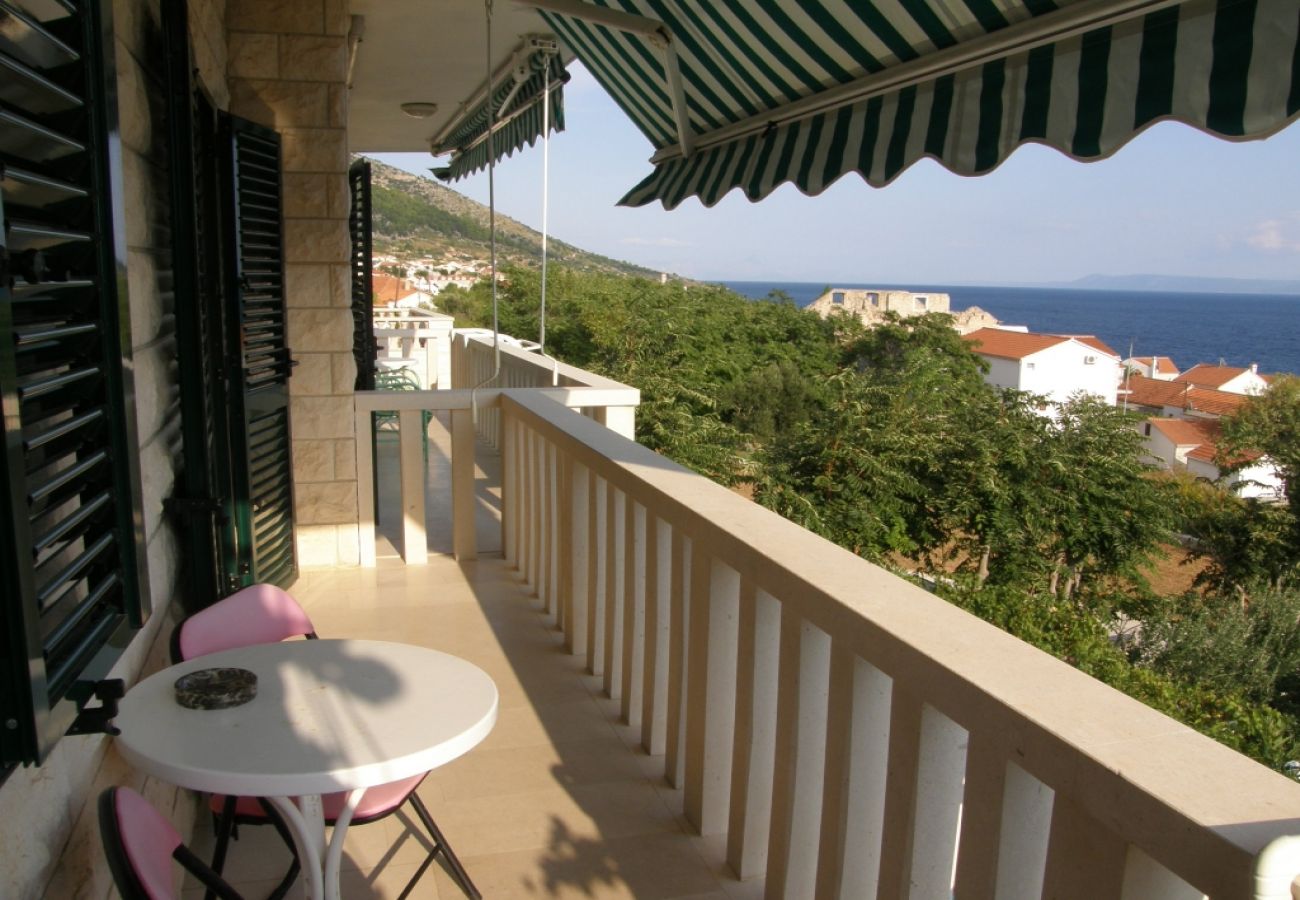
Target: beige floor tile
[653, 867]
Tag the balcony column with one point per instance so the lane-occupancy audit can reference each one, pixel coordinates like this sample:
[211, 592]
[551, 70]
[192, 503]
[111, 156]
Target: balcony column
[615, 531]
[619, 419]
[634, 616]
[711, 707]
[510, 491]
[658, 600]
[580, 531]
[596, 588]
[799, 769]
[415, 543]
[857, 765]
[757, 686]
[679, 632]
[464, 534]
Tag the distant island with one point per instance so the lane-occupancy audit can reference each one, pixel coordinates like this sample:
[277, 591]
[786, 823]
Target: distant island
[1186, 284]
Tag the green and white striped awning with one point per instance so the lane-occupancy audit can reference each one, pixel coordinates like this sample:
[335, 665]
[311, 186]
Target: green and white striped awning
[751, 94]
[517, 111]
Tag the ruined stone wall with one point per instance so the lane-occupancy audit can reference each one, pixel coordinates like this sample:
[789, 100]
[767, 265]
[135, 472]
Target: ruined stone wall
[870, 306]
[288, 71]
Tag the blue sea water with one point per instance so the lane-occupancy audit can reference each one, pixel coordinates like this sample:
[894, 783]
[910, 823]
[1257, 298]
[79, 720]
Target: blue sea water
[1238, 329]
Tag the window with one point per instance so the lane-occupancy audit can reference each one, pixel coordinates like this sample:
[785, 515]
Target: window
[1029, 365]
[837, 297]
[1090, 360]
[874, 298]
[70, 588]
[922, 302]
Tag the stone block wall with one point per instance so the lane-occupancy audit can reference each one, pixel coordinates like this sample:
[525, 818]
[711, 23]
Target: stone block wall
[288, 70]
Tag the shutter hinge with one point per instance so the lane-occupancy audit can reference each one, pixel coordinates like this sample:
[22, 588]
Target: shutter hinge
[99, 719]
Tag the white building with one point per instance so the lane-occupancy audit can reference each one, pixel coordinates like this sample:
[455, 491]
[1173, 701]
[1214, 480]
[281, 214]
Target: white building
[1232, 379]
[1161, 368]
[1193, 444]
[1052, 365]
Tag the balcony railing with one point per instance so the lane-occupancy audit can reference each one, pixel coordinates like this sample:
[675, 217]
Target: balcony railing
[847, 733]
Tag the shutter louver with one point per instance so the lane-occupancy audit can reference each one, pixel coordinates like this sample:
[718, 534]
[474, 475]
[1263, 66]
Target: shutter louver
[70, 584]
[267, 552]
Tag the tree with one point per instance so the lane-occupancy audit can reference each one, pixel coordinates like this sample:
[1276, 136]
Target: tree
[1269, 424]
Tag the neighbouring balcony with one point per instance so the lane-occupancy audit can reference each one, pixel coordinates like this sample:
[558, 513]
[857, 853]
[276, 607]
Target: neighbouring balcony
[701, 699]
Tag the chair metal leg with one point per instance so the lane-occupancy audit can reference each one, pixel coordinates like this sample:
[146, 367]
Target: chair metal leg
[225, 824]
[457, 870]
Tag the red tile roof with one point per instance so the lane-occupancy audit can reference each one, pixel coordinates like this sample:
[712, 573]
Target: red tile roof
[388, 288]
[1019, 344]
[1153, 392]
[1188, 432]
[1208, 376]
[1094, 342]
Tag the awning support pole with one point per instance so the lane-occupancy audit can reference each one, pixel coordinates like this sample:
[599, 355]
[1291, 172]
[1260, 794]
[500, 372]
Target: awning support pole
[655, 32]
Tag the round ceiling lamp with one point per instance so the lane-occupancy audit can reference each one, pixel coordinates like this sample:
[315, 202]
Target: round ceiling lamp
[419, 110]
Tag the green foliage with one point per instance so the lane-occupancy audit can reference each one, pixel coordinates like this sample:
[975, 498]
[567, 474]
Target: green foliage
[1249, 648]
[1245, 542]
[1270, 424]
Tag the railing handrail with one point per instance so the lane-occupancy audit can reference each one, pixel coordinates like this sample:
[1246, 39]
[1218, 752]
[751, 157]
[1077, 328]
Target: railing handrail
[568, 374]
[1194, 805]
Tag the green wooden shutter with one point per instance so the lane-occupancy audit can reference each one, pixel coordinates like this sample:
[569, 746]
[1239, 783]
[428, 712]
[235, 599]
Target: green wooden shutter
[202, 503]
[363, 314]
[259, 364]
[68, 491]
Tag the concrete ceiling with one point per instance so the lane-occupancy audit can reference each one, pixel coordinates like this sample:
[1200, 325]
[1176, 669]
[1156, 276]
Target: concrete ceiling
[424, 51]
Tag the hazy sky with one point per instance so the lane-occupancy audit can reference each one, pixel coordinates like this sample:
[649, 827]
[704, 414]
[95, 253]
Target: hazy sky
[1174, 202]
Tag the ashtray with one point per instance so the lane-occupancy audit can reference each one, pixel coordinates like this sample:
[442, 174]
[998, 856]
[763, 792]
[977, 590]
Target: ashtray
[216, 688]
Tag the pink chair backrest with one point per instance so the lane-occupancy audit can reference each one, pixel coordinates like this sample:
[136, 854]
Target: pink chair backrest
[148, 841]
[258, 614]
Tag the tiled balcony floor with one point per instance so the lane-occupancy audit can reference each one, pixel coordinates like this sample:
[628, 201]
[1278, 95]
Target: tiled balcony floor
[559, 801]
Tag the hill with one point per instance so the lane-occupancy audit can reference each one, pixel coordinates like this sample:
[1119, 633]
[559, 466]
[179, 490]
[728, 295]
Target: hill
[415, 216]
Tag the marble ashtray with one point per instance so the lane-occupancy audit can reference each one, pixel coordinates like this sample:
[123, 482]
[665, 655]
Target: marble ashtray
[216, 688]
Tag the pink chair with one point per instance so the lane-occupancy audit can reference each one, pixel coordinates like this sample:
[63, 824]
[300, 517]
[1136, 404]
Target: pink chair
[141, 845]
[263, 614]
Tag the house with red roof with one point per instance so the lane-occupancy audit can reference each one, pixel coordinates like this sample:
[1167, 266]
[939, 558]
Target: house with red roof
[1231, 379]
[1193, 445]
[1161, 368]
[1178, 399]
[1055, 366]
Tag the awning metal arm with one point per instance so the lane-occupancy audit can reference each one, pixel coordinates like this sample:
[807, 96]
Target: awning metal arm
[1049, 28]
[654, 31]
[529, 45]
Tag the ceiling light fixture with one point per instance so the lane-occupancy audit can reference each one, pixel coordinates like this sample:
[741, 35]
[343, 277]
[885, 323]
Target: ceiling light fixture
[419, 110]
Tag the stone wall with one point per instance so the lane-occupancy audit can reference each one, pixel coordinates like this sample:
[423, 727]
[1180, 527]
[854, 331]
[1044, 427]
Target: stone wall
[871, 306]
[288, 70]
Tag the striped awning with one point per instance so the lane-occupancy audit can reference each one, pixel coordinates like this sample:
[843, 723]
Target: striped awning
[518, 114]
[752, 94]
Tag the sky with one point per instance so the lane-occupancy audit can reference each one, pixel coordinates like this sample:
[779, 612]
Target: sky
[1174, 201]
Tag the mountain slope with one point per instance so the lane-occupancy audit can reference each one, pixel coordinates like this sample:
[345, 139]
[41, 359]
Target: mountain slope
[417, 216]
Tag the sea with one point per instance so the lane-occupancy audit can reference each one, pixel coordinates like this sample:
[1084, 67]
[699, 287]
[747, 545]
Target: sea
[1234, 329]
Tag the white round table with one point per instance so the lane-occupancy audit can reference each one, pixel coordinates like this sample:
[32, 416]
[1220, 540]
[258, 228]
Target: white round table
[329, 715]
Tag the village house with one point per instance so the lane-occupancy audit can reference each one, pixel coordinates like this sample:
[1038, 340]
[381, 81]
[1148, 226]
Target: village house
[1192, 445]
[1176, 398]
[1230, 379]
[1161, 368]
[1051, 365]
